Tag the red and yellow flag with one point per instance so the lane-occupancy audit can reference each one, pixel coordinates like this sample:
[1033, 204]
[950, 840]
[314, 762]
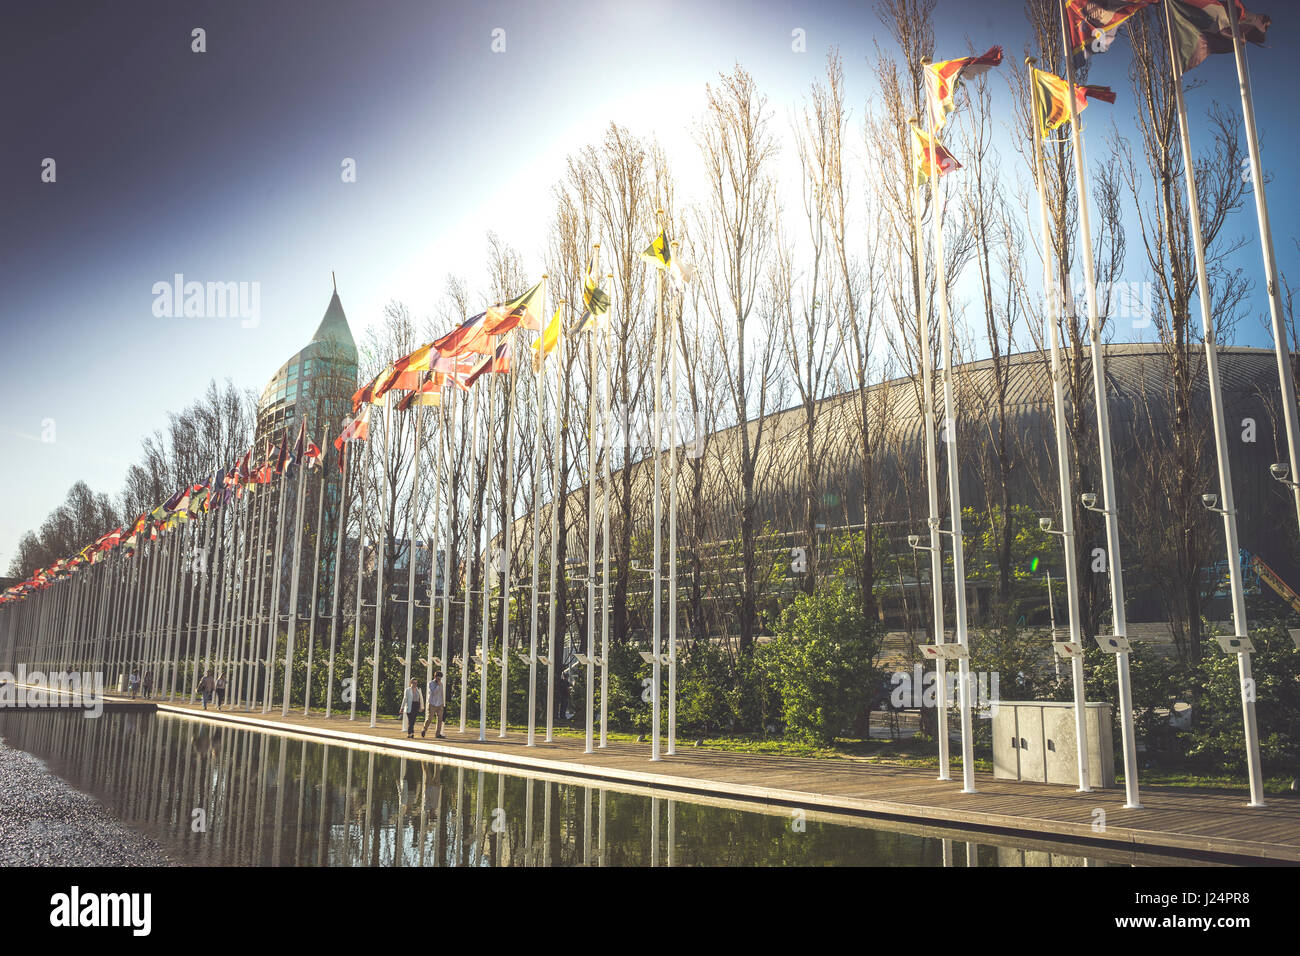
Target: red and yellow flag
[1051, 103]
[927, 154]
[548, 340]
[942, 79]
[1092, 24]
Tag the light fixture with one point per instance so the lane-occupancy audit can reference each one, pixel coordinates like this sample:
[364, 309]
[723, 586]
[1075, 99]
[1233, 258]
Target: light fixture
[1089, 500]
[1045, 524]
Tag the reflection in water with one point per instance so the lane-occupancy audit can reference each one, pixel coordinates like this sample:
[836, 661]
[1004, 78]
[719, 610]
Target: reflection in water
[218, 795]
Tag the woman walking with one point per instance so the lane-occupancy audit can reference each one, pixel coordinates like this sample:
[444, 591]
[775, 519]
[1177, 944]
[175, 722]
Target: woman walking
[412, 707]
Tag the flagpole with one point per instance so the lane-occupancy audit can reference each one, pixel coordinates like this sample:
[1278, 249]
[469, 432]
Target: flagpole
[434, 543]
[932, 480]
[485, 647]
[953, 465]
[418, 409]
[469, 561]
[381, 546]
[674, 318]
[361, 568]
[293, 586]
[592, 657]
[1052, 300]
[1277, 315]
[508, 520]
[556, 492]
[445, 440]
[537, 543]
[1228, 510]
[315, 572]
[1110, 498]
[273, 616]
[656, 610]
[608, 441]
[253, 622]
[337, 575]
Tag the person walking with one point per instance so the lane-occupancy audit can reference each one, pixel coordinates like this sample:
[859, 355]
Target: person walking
[134, 683]
[437, 704]
[148, 684]
[412, 704]
[220, 690]
[206, 687]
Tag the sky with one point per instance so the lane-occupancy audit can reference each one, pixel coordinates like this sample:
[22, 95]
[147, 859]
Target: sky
[228, 166]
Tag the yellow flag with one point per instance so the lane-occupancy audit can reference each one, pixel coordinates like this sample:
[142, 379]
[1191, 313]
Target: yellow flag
[550, 337]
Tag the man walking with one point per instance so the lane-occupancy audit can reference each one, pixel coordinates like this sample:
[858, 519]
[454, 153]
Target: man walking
[206, 687]
[437, 704]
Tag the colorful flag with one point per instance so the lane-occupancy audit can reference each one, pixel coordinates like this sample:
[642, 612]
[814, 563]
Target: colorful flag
[522, 311]
[1092, 25]
[300, 445]
[356, 430]
[312, 456]
[658, 252]
[942, 79]
[927, 153]
[282, 454]
[1202, 27]
[469, 336]
[1051, 104]
[546, 342]
[405, 372]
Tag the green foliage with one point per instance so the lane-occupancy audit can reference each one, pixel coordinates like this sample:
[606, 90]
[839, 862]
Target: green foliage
[822, 663]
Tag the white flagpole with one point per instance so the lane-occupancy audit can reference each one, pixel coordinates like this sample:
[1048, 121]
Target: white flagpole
[434, 543]
[418, 409]
[445, 444]
[508, 520]
[273, 617]
[315, 573]
[556, 491]
[338, 578]
[1281, 346]
[954, 472]
[656, 610]
[592, 657]
[1052, 300]
[485, 644]
[1110, 497]
[1228, 510]
[361, 568]
[381, 544]
[293, 587]
[470, 557]
[608, 486]
[533, 607]
[673, 318]
[931, 480]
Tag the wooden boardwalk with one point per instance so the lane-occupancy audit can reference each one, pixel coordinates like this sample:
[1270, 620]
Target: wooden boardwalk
[1205, 824]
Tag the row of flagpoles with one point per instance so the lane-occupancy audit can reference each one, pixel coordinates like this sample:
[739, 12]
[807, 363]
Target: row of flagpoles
[134, 616]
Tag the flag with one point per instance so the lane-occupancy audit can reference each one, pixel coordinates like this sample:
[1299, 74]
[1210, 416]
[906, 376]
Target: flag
[595, 301]
[498, 361]
[365, 395]
[926, 152]
[658, 252]
[427, 393]
[1050, 92]
[1202, 27]
[469, 336]
[1092, 25]
[942, 79]
[282, 454]
[405, 372]
[522, 311]
[300, 445]
[109, 541]
[356, 430]
[312, 456]
[242, 473]
[548, 340]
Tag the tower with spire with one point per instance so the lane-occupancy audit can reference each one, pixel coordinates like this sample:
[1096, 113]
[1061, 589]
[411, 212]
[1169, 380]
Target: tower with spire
[316, 383]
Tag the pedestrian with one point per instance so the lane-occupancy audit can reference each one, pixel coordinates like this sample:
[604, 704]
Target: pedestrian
[206, 687]
[437, 704]
[412, 705]
[220, 690]
[148, 684]
[134, 683]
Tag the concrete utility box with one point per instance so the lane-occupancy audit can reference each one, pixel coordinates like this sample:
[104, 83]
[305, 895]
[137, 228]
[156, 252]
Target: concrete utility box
[1034, 740]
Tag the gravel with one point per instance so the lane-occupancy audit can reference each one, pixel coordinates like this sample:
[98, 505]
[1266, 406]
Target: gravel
[45, 822]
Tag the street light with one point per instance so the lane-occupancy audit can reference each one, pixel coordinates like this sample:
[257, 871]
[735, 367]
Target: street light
[914, 542]
[1089, 501]
[1280, 471]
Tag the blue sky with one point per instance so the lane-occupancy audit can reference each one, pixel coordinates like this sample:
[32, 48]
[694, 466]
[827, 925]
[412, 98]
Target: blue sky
[225, 166]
